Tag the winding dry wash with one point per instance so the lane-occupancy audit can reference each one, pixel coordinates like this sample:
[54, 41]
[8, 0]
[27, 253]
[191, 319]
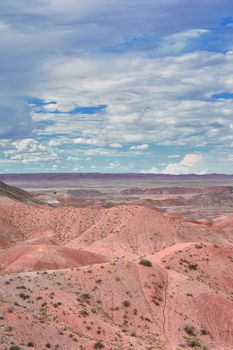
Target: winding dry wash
[116, 267]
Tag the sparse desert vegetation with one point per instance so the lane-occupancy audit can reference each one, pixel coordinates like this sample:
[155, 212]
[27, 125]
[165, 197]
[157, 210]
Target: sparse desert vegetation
[145, 262]
[118, 277]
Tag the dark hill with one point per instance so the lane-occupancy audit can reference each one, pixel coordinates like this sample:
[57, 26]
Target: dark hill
[16, 193]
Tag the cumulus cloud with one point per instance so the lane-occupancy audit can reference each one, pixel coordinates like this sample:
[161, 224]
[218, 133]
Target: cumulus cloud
[28, 145]
[79, 53]
[167, 102]
[153, 170]
[190, 164]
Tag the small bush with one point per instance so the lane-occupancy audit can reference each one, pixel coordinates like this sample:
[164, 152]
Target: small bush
[193, 342]
[126, 303]
[24, 296]
[99, 345]
[145, 262]
[83, 313]
[85, 296]
[189, 329]
[192, 266]
[14, 347]
[203, 331]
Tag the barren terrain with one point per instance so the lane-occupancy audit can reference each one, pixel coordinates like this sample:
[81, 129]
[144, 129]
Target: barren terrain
[139, 265]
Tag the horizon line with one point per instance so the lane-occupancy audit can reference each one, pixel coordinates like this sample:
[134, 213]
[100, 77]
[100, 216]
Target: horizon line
[119, 173]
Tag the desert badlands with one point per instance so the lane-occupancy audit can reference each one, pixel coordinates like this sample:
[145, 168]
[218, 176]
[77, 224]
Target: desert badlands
[138, 267]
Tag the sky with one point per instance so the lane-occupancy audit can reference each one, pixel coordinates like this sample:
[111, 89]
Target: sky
[143, 86]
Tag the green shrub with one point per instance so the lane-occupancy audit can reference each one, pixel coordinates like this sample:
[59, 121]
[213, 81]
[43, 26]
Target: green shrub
[192, 266]
[126, 303]
[145, 262]
[193, 342]
[83, 313]
[14, 347]
[189, 329]
[24, 296]
[203, 331]
[85, 296]
[99, 345]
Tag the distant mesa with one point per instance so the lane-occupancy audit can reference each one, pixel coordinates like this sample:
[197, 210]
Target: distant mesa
[85, 193]
[160, 190]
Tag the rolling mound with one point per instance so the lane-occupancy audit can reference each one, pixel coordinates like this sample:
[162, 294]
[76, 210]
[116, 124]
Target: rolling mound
[118, 278]
[137, 230]
[66, 223]
[122, 305]
[209, 263]
[42, 257]
[223, 221]
[122, 230]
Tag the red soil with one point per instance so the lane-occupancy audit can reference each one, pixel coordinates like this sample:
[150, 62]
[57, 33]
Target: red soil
[9, 234]
[42, 257]
[93, 290]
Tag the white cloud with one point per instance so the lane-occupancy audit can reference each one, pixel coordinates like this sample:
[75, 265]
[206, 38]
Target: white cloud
[164, 102]
[149, 100]
[191, 163]
[4, 143]
[114, 165]
[115, 145]
[140, 147]
[191, 159]
[34, 157]
[87, 141]
[179, 41]
[73, 158]
[174, 156]
[153, 170]
[96, 152]
[15, 119]
[58, 142]
[28, 145]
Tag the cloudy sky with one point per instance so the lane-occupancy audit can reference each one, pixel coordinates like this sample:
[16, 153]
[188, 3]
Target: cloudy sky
[116, 86]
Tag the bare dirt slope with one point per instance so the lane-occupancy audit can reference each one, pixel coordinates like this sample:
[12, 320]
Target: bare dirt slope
[43, 257]
[126, 229]
[119, 278]
[125, 305]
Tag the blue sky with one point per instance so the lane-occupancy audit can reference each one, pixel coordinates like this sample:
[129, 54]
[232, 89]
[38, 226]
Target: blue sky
[116, 86]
